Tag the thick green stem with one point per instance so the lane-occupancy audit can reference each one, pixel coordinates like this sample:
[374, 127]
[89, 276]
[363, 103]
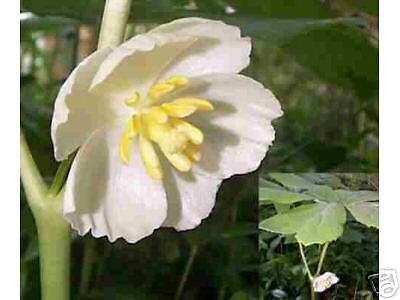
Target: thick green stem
[189, 263]
[312, 293]
[53, 231]
[54, 250]
[31, 179]
[115, 17]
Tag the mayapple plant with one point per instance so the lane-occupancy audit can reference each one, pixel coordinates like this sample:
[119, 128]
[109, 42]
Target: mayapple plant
[310, 213]
[156, 124]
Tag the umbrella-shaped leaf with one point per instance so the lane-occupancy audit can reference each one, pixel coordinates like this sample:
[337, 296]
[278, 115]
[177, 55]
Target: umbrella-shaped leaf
[323, 193]
[366, 213]
[281, 196]
[291, 181]
[263, 183]
[312, 223]
[357, 196]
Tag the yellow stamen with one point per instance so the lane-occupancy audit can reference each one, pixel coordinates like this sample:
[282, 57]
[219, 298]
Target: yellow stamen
[178, 110]
[158, 114]
[200, 104]
[150, 158]
[125, 147]
[193, 152]
[131, 129]
[177, 80]
[194, 134]
[135, 98]
[179, 161]
[160, 89]
[164, 126]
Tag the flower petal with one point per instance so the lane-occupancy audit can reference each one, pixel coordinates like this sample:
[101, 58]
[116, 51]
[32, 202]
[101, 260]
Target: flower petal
[238, 132]
[137, 64]
[77, 112]
[191, 197]
[219, 47]
[111, 198]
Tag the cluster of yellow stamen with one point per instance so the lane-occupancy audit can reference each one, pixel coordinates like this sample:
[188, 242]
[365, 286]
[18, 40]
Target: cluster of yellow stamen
[165, 126]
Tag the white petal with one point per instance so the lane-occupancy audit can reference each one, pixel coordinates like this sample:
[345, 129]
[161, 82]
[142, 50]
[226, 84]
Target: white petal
[76, 112]
[219, 47]
[191, 197]
[238, 132]
[137, 64]
[111, 198]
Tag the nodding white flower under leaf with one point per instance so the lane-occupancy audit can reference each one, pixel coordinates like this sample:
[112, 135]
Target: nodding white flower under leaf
[159, 122]
[324, 282]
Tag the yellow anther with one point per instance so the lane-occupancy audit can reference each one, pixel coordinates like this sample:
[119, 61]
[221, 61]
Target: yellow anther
[135, 98]
[150, 158]
[160, 89]
[200, 104]
[158, 114]
[193, 152]
[125, 147]
[178, 110]
[173, 141]
[194, 134]
[180, 161]
[131, 129]
[177, 80]
[164, 126]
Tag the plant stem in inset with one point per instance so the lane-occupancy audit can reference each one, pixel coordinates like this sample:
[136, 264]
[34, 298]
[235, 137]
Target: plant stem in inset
[321, 258]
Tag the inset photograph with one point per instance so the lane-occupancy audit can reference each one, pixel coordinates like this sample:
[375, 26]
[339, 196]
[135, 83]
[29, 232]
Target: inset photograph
[319, 235]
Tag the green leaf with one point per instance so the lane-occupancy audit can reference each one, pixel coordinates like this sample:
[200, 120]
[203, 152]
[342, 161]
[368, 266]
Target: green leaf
[323, 193]
[279, 31]
[282, 197]
[312, 223]
[281, 208]
[366, 213]
[263, 183]
[291, 181]
[339, 54]
[282, 8]
[357, 196]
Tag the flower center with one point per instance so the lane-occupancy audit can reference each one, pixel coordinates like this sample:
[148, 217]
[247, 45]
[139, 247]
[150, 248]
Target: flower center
[165, 126]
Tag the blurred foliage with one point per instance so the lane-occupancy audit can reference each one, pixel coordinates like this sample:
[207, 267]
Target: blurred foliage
[353, 257]
[318, 57]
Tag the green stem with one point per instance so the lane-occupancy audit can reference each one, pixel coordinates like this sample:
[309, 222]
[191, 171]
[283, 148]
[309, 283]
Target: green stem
[32, 181]
[303, 257]
[89, 257]
[310, 276]
[312, 293]
[321, 258]
[53, 231]
[189, 263]
[54, 250]
[115, 17]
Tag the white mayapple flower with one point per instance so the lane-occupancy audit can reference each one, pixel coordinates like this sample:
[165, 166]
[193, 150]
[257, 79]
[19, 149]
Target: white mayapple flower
[324, 282]
[159, 121]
